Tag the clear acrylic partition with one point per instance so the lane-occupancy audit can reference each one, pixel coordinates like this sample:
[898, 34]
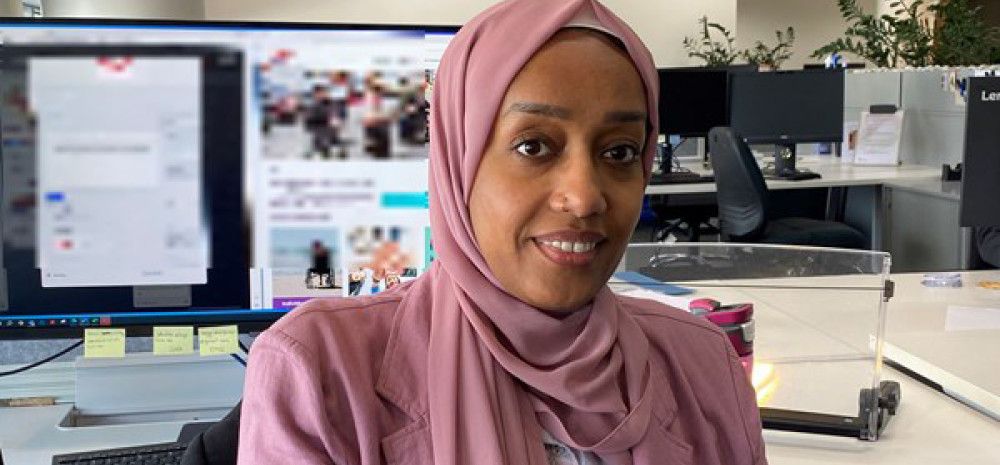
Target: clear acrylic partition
[818, 322]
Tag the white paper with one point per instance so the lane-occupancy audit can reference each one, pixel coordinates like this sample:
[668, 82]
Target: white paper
[971, 318]
[878, 139]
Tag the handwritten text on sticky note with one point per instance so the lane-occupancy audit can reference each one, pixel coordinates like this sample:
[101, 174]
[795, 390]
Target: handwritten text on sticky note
[104, 343]
[218, 340]
[173, 340]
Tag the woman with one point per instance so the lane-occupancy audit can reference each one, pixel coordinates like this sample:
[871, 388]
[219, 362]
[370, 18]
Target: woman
[511, 349]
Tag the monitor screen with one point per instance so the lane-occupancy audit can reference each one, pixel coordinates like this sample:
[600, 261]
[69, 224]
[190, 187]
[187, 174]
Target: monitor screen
[207, 173]
[693, 100]
[788, 106]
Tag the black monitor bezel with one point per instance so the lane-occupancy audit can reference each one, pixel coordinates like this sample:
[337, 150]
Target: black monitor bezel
[131, 330]
[227, 24]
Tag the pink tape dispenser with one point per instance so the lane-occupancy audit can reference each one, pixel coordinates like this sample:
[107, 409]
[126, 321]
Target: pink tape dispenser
[737, 322]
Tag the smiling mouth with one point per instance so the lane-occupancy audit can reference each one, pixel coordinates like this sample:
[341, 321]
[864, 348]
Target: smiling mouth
[570, 246]
[568, 253]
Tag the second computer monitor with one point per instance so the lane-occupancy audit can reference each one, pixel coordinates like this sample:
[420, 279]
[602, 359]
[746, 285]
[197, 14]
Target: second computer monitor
[788, 107]
[695, 100]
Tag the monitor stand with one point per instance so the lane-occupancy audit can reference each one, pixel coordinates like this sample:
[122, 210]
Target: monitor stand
[704, 153]
[143, 388]
[666, 157]
[784, 164]
[665, 154]
[784, 160]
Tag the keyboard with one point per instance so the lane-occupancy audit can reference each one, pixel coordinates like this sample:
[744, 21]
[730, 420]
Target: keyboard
[799, 175]
[168, 453]
[679, 177]
[796, 175]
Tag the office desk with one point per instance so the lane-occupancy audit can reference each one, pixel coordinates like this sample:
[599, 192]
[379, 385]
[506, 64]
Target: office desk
[929, 428]
[922, 225]
[833, 172]
[861, 203]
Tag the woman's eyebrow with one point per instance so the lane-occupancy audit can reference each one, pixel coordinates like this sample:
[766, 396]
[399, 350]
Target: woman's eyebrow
[554, 111]
[624, 116]
[540, 109]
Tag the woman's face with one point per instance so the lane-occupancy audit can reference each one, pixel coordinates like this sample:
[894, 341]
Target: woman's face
[560, 185]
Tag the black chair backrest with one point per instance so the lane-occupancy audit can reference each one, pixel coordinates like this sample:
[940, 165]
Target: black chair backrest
[739, 183]
[218, 444]
[984, 237]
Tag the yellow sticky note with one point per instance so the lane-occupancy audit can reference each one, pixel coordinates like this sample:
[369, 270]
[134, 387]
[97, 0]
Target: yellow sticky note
[173, 340]
[104, 343]
[218, 340]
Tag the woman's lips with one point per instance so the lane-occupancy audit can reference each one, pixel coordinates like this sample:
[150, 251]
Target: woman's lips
[569, 248]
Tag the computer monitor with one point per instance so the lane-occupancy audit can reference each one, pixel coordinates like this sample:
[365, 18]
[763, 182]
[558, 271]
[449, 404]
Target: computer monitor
[197, 173]
[981, 156]
[787, 108]
[694, 100]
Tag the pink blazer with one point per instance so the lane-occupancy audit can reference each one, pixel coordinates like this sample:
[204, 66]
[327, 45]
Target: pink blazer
[343, 381]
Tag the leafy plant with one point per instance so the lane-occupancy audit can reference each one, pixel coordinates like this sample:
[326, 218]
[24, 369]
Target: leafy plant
[905, 37]
[714, 52]
[773, 57]
[961, 37]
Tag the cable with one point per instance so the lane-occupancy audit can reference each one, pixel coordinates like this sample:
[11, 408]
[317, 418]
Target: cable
[679, 143]
[243, 347]
[43, 361]
[239, 359]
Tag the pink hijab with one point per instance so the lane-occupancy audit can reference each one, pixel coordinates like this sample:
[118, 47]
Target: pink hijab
[499, 370]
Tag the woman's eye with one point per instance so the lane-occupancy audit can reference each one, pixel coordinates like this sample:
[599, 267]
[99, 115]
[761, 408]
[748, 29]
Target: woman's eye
[622, 154]
[532, 148]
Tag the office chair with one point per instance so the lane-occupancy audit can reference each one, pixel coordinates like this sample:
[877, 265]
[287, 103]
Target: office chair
[685, 217]
[743, 203]
[218, 444]
[686, 221]
[984, 248]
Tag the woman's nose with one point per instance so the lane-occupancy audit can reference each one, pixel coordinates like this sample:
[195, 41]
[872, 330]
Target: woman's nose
[578, 188]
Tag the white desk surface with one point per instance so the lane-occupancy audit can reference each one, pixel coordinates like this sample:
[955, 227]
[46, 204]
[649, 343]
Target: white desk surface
[949, 335]
[833, 172]
[929, 428]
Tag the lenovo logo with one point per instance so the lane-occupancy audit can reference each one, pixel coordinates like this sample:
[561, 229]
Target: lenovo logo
[991, 96]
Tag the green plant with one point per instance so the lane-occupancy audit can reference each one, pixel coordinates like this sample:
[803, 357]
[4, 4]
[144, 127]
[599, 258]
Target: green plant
[715, 53]
[961, 37]
[773, 57]
[905, 37]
